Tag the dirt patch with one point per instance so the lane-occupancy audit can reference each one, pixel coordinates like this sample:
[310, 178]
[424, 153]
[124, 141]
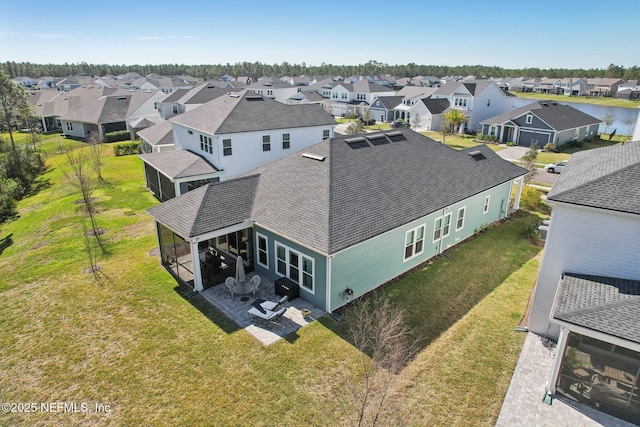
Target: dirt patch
[154, 252]
[139, 230]
[81, 201]
[92, 269]
[96, 232]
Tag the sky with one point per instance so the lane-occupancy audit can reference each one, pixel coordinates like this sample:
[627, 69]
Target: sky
[504, 33]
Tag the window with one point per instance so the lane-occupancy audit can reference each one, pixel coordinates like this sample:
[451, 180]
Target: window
[446, 227]
[344, 95]
[175, 109]
[361, 96]
[69, 126]
[485, 208]
[205, 144]
[325, 134]
[492, 131]
[529, 119]
[226, 147]
[414, 242]
[286, 141]
[437, 229]
[488, 102]
[295, 266]
[460, 220]
[266, 142]
[263, 254]
[460, 102]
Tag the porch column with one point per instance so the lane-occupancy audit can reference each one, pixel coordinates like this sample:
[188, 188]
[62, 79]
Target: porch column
[197, 273]
[516, 202]
[557, 363]
[501, 139]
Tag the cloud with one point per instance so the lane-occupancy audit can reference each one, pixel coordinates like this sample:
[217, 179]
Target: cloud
[165, 37]
[52, 36]
[9, 34]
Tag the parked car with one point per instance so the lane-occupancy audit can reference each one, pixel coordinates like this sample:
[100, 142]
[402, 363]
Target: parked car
[399, 124]
[556, 167]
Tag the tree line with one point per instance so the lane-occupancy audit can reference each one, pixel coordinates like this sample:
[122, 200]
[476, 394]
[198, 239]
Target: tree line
[258, 69]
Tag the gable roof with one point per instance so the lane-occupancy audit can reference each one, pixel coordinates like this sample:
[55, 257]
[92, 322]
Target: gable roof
[436, 106]
[473, 86]
[390, 102]
[559, 116]
[354, 194]
[247, 112]
[160, 134]
[604, 178]
[178, 164]
[604, 304]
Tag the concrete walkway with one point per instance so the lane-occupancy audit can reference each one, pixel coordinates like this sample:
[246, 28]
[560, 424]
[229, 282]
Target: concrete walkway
[512, 153]
[523, 404]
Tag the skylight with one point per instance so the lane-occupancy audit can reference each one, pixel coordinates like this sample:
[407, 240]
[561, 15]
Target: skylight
[477, 155]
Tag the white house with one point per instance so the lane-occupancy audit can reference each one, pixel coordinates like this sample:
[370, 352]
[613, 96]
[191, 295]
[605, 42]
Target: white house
[587, 296]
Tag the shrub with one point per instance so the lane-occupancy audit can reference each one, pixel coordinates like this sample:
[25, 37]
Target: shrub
[531, 199]
[551, 148]
[126, 148]
[531, 231]
[510, 143]
[119, 135]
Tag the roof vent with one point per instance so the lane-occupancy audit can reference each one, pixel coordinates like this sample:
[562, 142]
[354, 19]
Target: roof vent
[477, 155]
[314, 157]
[234, 95]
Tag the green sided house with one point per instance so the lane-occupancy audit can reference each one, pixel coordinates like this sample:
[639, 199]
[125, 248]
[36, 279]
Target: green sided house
[339, 218]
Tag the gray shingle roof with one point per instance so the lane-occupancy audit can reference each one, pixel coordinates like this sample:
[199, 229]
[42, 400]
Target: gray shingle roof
[178, 164]
[390, 102]
[358, 193]
[201, 210]
[160, 134]
[603, 304]
[246, 112]
[436, 106]
[604, 178]
[558, 116]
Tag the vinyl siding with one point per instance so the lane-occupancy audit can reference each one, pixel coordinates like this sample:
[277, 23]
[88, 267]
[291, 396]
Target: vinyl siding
[585, 241]
[367, 265]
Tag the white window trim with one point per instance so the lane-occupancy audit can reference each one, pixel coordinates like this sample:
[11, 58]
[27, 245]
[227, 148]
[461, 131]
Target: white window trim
[528, 119]
[301, 255]
[464, 210]
[485, 207]
[436, 228]
[258, 237]
[444, 224]
[404, 247]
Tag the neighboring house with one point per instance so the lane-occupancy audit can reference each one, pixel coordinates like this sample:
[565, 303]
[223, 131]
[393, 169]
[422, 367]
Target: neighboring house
[571, 87]
[530, 83]
[383, 109]
[587, 295]
[542, 122]
[171, 173]
[240, 131]
[44, 106]
[478, 99]
[411, 97]
[547, 85]
[605, 87]
[629, 90]
[87, 115]
[353, 98]
[341, 217]
[25, 82]
[166, 84]
[430, 112]
[74, 82]
[280, 91]
[304, 97]
[514, 84]
[183, 100]
[156, 139]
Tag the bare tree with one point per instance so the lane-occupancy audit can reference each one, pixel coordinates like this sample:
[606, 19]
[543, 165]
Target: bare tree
[95, 154]
[445, 128]
[81, 178]
[415, 122]
[378, 330]
[608, 120]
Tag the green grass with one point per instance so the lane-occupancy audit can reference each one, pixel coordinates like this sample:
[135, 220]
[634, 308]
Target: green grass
[460, 142]
[596, 100]
[132, 340]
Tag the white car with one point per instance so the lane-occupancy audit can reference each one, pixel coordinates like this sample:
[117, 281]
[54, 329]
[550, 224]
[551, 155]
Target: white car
[556, 167]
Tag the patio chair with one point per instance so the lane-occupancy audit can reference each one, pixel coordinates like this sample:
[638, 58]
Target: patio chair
[255, 281]
[274, 306]
[230, 282]
[268, 315]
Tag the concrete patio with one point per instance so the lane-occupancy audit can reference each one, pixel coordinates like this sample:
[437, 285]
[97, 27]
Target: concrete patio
[265, 332]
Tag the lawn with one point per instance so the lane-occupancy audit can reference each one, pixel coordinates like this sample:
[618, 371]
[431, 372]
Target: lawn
[460, 142]
[596, 100]
[133, 341]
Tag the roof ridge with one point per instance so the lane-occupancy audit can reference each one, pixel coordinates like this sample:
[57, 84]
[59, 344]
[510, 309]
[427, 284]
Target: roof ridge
[595, 180]
[602, 306]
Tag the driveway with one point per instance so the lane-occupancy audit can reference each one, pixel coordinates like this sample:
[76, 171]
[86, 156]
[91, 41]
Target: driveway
[515, 153]
[341, 128]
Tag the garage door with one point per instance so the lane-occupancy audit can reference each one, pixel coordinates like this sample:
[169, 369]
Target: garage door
[526, 138]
